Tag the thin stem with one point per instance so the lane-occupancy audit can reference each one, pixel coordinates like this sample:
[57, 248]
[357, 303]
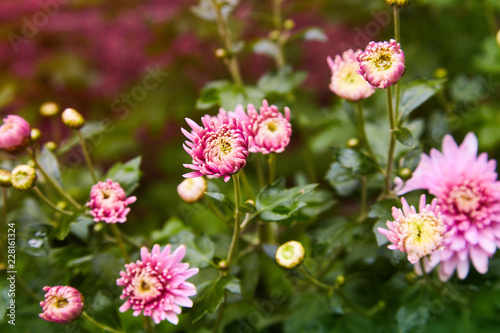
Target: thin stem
[364, 190]
[53, 183]
[130, 240]
[260, 171]
[237, 214]
[315, 281]
[102, 327]
[392, 145]
[119, 242]
[246, 184]
[220, 314]
[280, 56]
[42, 197]
[272, 227]
[87, 156]
[147, 325]
[272, 167]
[362, 131]
[225, 34]
[331, 261]
[397, 29]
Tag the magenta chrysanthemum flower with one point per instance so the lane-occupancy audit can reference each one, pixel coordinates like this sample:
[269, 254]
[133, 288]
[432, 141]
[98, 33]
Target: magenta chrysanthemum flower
[15, 133]
[108, 202]
[267, 129]
[382, 64]
[417, 233]
[346, 81]
[219, 149]
[156, 285]
[468, 193]
[62, 304]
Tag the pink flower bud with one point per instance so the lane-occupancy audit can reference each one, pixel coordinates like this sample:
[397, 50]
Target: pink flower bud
[15, 133]
[62, 304]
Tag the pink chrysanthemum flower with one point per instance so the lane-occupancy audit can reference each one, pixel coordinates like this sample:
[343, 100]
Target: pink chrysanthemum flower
[417, 233]
[382, 64]
[267, 129]
[108, 202]
[219, 149]
[15, 133]
[156, 285]
[346, 81]
[468, 193]
[62, 304]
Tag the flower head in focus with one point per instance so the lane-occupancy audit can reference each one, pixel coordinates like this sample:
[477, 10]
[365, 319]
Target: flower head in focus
[108, 202]
[267, 129]
[218, 149]
[346, 81]
[156, 284]
[192, 189]
[468, 193]
[416, 233]
[382, 64]
[15, 133]
[62, 304]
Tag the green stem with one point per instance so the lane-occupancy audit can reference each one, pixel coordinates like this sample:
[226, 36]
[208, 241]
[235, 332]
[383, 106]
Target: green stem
[237, 214]
[147, 325]
[272, 167]
[260, 171]
[119, 242]
[225, 34]
[53, 183]
[315, 281]
[102, 327]
[331, 261]
[42, 197]
[87, 156]
[280, 55]
[130, 240]
[392, 145]
[246, 184]
[362, 131]
[220, 314]
[364, 190]
[397, 35]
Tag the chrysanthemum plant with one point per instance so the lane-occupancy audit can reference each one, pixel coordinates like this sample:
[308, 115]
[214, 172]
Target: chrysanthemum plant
[278, 226]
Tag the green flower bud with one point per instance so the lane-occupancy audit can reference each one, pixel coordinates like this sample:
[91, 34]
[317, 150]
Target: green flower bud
[23, 177]
[72, 119]
[222, 265]
[35, 134]
[340, 280]
[353, 143]
[289, 24]
[398, 3]
[274, 35]
[51, 145]
[405, 174]
[440, 73]
[5, 178]
[220, 53]
[290, 254]
[49, 109]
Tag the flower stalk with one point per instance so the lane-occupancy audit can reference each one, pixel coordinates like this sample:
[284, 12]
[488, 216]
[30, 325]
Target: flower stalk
[392, 145]
[102, 327]
[42, 197]
[119, 242]
[237, 217]
[87, 156]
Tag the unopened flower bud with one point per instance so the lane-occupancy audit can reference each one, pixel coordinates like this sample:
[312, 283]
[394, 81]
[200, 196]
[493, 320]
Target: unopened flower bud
[49, 109]
[5, 178]
[31, 163]
[397, 3]
[72, 119]
[222, 265]
[23, 177]
[498, 37]
[411, 277]
[15, 133]
[61, 205]
[440, 73]
[192, 189]
[289, 24]
[35, 134]
[353, 143]
[62, 304]
[274, 35]
[340, 280]
[98, 227]
[51, 146]
[290, 254]
[220, 53]
[405, 173]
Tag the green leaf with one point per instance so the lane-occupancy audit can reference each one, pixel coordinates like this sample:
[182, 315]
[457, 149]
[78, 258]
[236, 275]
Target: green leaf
[412, 159]
[341, 179]
[416, 94]
[210, 94]
[281, 82]
[127, 175]
[233, 96]
[63, 227]
[404, 136]
[248, 207]
[199, 249]
[211, 297]
[89, 131]
[266, 47]
[412, 319]
[382, 211]
[355, 160]
[49, 162]
[221, 198]
[315, 34]
[275, 203]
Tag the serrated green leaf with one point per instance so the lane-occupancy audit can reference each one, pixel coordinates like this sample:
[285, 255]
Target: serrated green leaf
[355, 160]
[127, 175]
[211, 297]
[275, 203]
[416, 94]
[403, 135]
